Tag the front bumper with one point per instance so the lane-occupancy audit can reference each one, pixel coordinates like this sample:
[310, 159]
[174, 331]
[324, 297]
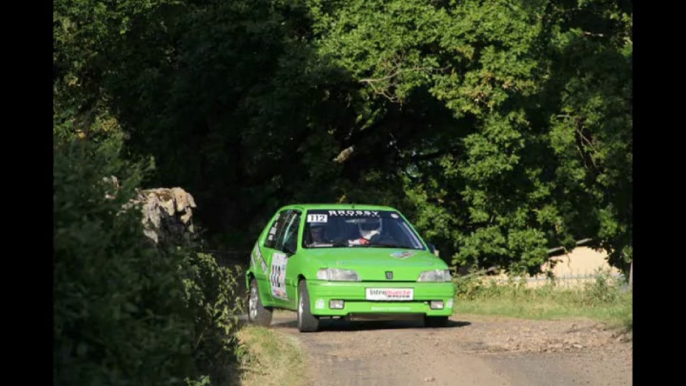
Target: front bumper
[354, 296]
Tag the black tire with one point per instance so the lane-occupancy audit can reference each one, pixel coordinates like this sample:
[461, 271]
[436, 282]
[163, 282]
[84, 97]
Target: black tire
[435, 321]
[306, 321]
[257, 312]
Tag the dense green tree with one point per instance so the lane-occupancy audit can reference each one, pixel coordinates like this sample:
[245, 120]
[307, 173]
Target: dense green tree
[502, 127]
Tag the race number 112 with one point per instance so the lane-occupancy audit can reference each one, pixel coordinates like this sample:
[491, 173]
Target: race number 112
[316, 218]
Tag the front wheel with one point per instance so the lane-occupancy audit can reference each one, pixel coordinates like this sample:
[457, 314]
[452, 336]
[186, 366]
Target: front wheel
[257, 313]
[306, 321]
[435, 321]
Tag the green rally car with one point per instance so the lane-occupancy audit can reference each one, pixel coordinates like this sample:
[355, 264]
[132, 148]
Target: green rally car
[345, 261]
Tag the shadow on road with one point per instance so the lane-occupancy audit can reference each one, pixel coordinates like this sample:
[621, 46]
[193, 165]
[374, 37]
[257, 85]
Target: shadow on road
[344, 325]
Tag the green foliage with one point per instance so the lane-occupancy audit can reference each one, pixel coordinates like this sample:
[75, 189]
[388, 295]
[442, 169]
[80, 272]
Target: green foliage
[212, 300]
[119, 312]
[125, 311]
[502, 128]
[543, 90]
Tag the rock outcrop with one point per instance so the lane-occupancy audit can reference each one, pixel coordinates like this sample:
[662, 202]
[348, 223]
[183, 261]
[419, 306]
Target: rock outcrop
[167, 214]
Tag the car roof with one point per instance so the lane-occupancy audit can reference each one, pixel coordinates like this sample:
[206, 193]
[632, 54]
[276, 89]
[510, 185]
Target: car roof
[337, 206]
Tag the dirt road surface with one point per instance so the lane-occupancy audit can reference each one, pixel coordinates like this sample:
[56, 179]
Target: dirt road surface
[471, 350]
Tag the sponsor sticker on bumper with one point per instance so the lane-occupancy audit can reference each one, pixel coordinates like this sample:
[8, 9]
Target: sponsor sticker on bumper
[390, 294]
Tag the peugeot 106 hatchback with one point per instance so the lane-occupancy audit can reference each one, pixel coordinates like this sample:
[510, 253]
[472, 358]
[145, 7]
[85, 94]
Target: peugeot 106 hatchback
[345, 261]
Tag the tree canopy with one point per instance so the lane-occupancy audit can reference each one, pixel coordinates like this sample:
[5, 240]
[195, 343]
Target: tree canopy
[502, 128]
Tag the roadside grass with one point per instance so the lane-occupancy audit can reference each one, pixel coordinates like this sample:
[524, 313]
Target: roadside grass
[268, 358]
[604, 299]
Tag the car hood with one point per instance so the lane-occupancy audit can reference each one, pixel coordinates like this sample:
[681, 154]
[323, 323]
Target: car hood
[373, 263]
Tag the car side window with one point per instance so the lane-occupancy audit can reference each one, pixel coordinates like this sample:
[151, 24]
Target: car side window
[276, 230]
[289, 241]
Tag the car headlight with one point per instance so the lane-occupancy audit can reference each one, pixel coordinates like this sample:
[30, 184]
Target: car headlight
[335, 274]
[435, 275]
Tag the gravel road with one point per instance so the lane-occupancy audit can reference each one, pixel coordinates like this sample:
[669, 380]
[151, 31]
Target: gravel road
[471, 350]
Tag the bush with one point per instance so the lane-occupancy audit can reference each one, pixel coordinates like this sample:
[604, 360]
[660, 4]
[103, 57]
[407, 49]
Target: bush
[212, 299]
[125, 311]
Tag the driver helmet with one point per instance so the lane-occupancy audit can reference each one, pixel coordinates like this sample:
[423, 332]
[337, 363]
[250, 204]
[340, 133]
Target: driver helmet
[370, 227]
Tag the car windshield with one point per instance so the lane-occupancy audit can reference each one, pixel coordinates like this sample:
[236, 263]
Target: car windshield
[358, 228]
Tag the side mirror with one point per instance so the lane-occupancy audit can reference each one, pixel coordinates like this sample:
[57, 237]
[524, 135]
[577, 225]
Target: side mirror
[432, 248]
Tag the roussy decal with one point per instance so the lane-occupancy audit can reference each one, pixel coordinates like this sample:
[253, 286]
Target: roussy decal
[367, 213]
